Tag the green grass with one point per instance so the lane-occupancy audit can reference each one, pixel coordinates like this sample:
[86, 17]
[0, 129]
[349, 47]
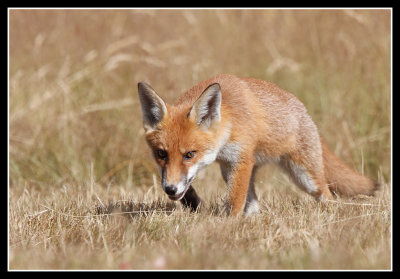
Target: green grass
[77, 144]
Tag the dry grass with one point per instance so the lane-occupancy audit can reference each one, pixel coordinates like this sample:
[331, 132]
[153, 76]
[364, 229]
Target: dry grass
[78, 161]
[75, 229]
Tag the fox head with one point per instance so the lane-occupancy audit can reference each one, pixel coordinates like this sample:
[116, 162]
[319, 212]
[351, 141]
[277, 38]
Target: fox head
[182, 138]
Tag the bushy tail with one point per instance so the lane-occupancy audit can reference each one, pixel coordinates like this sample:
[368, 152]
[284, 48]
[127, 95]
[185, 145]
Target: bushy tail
[343, 180]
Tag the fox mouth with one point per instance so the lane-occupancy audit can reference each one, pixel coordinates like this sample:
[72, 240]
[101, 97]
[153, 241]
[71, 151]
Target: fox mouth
[176, 197]
[179, 196]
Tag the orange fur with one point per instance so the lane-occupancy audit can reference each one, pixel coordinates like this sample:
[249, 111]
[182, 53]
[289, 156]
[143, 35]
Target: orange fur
[342, 179]
[249, 122]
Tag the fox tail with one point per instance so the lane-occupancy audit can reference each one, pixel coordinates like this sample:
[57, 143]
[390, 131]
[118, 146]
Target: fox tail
[342, 179]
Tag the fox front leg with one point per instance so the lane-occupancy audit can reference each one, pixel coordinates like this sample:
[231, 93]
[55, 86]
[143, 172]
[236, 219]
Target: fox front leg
[191, 199]
[238, 178]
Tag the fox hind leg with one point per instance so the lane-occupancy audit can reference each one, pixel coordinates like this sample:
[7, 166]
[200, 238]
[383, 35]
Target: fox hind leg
[309, 180]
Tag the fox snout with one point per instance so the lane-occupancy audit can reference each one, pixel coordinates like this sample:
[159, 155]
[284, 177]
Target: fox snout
[174, 188]
[170, 189]
[176, 191]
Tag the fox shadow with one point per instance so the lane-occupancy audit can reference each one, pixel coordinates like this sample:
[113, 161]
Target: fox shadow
[136, 209]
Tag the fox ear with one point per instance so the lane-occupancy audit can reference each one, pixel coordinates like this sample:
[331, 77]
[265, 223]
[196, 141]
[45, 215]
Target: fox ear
[153, 107]
[207, 108]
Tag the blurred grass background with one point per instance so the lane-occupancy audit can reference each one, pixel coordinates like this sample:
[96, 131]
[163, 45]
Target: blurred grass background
[74, 115]
[73, 76]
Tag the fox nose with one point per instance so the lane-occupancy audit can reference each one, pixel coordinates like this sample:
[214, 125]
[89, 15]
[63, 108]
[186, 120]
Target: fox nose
[170, 190]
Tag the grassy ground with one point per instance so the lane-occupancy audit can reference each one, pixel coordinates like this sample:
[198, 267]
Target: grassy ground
[78, 160]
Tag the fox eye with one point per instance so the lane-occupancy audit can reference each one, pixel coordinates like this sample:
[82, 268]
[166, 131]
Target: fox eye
[162, 154]
[189, 155]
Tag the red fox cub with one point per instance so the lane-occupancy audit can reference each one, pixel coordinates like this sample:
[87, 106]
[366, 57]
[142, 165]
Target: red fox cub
[242, 123]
